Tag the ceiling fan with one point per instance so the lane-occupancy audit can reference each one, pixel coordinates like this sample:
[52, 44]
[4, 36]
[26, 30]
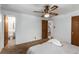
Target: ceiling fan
[48, 11]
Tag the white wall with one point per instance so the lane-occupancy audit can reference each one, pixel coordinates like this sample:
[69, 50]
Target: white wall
[0, 26]
[1, 40]
[63, 26]
[27, 26]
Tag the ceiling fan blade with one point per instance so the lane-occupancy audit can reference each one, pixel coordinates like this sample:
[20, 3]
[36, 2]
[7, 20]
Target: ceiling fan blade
[42, 16]
[53, 7]
[54, 14]
[39, 11]
[46, 8]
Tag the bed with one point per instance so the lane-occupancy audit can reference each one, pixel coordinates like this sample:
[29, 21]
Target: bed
[49, 48]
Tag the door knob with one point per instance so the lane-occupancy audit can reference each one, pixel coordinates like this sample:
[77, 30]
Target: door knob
[72, 32]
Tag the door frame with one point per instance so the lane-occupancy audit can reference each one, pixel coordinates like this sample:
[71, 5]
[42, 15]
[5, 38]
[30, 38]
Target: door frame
[5, 31]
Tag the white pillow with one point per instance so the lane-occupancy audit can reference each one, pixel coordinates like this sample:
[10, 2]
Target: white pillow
[56, 42]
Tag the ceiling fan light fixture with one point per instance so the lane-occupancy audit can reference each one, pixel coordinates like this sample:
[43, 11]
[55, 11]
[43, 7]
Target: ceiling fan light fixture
[46, 15]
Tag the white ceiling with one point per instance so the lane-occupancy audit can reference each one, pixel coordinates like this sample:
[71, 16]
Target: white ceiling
[29, 8]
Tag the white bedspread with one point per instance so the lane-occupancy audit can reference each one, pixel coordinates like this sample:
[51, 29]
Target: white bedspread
[49, 48]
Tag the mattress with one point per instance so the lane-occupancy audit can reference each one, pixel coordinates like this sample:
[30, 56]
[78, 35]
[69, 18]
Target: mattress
[49, 48]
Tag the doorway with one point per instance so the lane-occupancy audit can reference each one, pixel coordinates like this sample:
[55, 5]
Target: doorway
[44, 29]
[75, 31]
[9, 31]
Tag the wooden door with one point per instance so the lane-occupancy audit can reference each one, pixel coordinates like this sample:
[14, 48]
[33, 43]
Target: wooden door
[5, 31]
[75, 31]
[44, 29]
